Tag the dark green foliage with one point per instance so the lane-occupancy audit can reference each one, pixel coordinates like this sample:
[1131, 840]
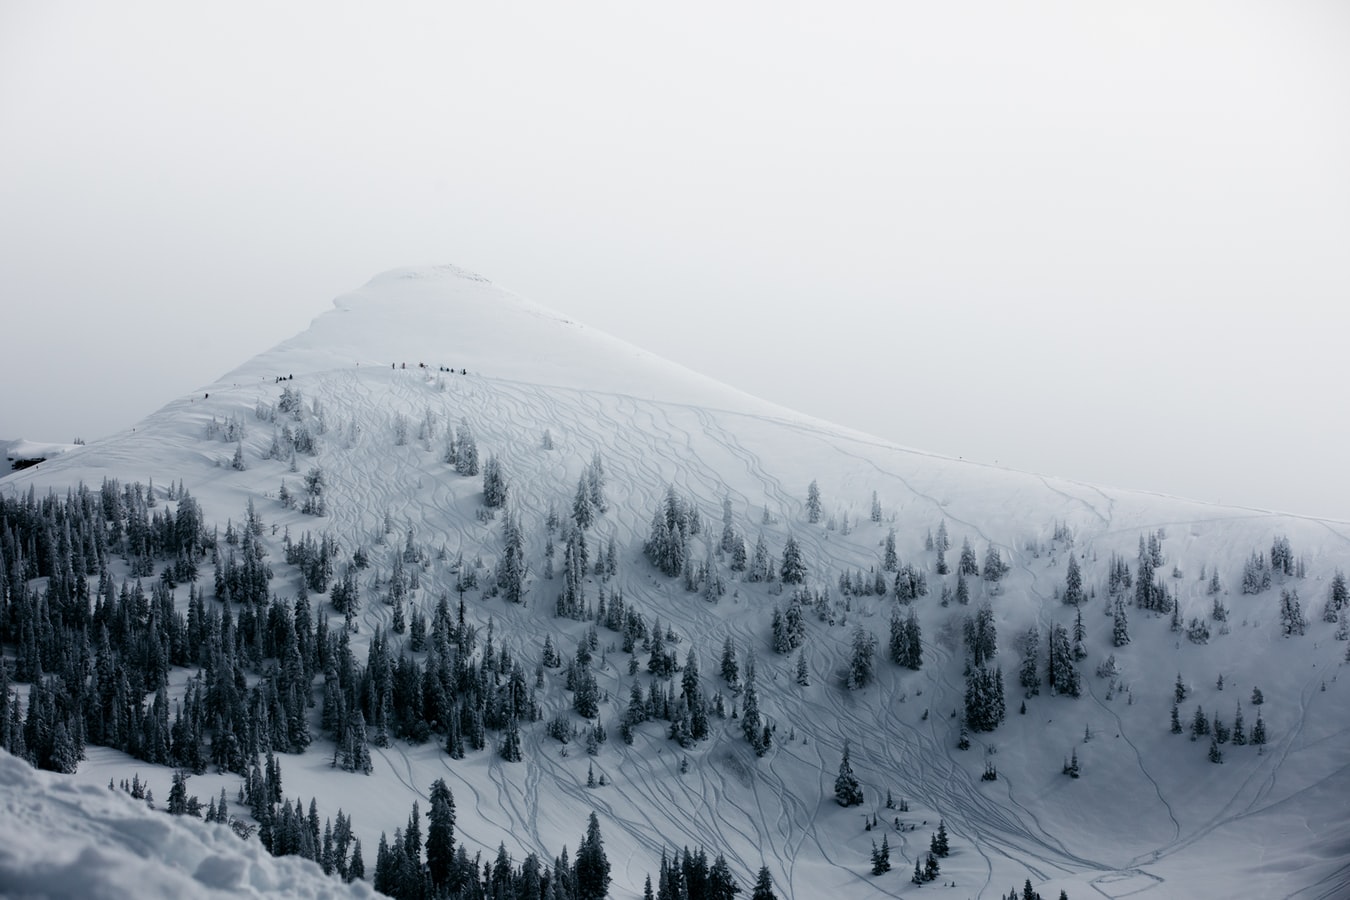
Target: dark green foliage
[881, 857]
[861, 661]
[981, 637]
[994, 566]
[1199, 723]
[1292, 622]
[1073, 583]
[592, 866]
[906, 643]
[968, 564]
[672, 524]
[763, 889]
[1029, 675]
[847, 790]
[495, 486]
[1062, 673]
[793, 569]
[984, 699]
[939, 846]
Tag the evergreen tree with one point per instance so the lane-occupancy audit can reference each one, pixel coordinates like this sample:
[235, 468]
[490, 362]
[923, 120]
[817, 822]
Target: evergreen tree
[1079, 636]
[465, 450]
[441, 834]
[939, 846]
[1239, 727]
[1215, 754]
[756, 733]
[495, 487]
[728, 544]
[968, 564]
[1073, 583]
[985, 707]
[793, 569]
[1029, 675]
[592, 866]
[583, 513]
[813, 503]
[881, 857]
[763, 886]
[890, 562]
[860, 667]
[1292, 621]
[1199, 723]
[1063, 674]
[721, 885]
[731, 672]
[994, 566]
[1338, 597]
[981, 635]
[847, 790]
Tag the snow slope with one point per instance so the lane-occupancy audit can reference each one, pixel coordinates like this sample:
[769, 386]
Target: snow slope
[60, 837]
[1151, 817]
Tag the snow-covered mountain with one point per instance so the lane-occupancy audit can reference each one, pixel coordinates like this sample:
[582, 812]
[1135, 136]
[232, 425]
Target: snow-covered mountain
[382, 382]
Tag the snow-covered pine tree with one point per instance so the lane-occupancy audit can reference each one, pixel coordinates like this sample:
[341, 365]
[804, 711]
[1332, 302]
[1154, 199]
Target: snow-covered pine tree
[968, 564]
[847, 790]
[1029, 675]
[889, 560]
[1120, 628]
[793, 569]
[1073, 583]
[994, 566]
[813, 503]
[495, 487]
[860, 667]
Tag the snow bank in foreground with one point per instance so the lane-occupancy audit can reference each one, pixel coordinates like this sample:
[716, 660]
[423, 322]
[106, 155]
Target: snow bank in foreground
[63, 839]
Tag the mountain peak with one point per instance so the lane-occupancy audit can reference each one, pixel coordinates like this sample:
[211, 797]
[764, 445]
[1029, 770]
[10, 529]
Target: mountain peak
[443, 271]
[448, 317]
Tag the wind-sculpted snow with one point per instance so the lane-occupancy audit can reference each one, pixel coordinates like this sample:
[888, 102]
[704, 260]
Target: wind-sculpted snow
[60, 838]
[1150, 817]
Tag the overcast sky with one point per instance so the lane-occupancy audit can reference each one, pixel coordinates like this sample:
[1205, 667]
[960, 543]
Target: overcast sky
[1109, 241]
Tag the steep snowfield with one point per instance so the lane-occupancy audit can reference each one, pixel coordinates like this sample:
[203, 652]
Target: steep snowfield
[61, 838]
[1151, 816]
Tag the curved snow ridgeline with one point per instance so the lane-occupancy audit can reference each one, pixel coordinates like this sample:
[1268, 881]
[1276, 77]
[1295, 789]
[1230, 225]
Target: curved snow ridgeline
[62, 838]
[1150, 815]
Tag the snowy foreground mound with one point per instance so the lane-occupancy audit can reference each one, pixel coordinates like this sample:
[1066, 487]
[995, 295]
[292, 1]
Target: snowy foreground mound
[61, 838]
[374, 392]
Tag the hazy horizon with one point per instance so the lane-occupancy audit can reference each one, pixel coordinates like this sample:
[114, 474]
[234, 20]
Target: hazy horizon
[1098, 242]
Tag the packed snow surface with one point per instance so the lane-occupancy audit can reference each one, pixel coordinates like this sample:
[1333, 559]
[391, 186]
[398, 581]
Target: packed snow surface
[1151, 816]
[62, 837]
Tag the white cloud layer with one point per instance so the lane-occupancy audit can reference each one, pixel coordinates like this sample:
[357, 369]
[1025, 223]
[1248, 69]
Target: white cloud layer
[1101, 241]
